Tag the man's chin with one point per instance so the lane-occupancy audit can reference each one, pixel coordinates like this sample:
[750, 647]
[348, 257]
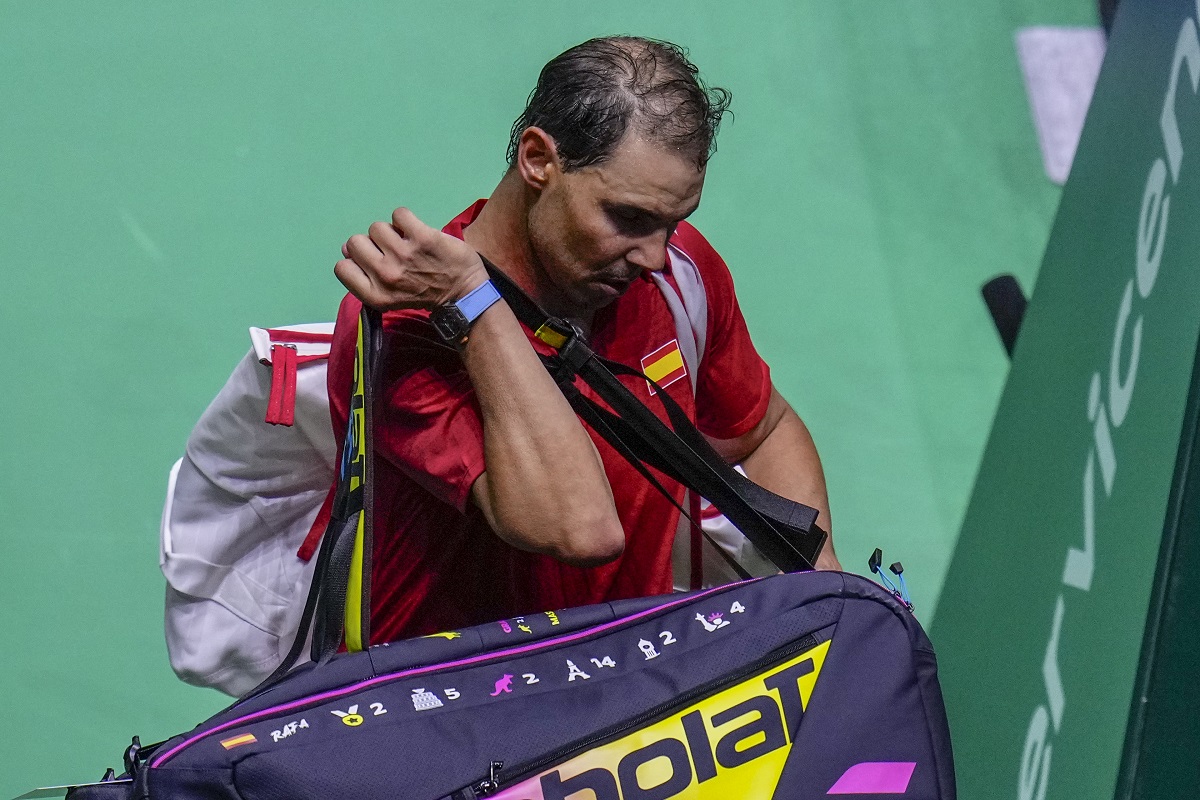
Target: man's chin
[587, 300]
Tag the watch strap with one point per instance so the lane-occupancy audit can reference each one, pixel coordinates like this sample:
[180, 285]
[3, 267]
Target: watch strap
[478, 300]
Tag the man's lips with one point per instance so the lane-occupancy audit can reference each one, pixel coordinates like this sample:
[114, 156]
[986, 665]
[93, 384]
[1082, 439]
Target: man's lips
[617, 284]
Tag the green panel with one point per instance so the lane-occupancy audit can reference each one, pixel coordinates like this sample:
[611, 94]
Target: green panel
[1040, 626]
[1159, 758]
[175, 172]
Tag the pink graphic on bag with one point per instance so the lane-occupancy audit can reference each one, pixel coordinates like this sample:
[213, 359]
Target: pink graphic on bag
[875, 777]
[503, 685]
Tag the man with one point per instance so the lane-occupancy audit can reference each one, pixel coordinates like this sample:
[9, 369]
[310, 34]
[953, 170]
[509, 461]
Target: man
[492, 498]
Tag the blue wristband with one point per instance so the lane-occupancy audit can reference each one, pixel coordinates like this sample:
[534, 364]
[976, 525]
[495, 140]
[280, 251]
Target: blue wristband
[478, 300]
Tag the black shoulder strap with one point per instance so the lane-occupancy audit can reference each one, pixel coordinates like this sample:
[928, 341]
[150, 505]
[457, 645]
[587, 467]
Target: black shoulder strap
[783, 530]
[607, 425]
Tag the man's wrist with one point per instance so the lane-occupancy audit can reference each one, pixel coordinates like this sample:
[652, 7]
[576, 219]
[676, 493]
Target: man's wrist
[453, 320]
[472, 281]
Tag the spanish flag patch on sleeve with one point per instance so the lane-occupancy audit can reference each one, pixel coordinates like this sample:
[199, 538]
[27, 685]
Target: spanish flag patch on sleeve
[665, 365]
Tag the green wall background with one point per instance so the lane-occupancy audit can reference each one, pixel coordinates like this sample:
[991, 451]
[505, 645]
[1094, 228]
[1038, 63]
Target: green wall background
[173, 173]
[1041, 629]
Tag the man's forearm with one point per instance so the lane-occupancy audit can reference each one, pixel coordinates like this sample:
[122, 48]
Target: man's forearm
[786, 462]
[544, 488]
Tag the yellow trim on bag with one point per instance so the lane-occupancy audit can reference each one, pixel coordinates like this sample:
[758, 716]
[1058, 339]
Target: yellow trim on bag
[354, 637]
[358, 479]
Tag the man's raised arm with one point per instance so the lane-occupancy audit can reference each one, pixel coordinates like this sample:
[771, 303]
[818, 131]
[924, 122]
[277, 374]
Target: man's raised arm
[544, 489]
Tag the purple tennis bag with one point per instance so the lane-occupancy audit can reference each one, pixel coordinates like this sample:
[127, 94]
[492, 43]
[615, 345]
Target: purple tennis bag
[793, 686]
[799, 685]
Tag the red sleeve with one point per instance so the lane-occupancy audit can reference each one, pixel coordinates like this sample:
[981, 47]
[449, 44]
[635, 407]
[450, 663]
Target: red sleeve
[734, 384]
[430, 425]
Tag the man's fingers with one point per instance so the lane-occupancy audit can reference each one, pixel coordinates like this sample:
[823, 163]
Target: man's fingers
[407, 224]
[360, 248]
[386, 237]
[400, 265]
[356, 280]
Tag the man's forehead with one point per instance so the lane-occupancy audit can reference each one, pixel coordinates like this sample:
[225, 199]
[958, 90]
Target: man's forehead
[650, 177]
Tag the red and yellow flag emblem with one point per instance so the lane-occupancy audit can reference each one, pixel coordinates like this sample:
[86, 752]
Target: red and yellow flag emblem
[238, 741]
[665, 365]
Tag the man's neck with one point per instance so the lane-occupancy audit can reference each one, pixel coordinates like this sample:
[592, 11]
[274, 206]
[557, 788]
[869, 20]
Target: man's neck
[498, 233]
[501, 234]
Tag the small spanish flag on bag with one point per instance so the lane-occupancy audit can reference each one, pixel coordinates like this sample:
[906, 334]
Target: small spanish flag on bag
[238, 741]
[665, 365]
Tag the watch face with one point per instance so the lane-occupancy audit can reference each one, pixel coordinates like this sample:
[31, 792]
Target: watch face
[449, 322]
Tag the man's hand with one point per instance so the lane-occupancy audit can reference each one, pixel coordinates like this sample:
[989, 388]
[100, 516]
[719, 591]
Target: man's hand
[407, 264]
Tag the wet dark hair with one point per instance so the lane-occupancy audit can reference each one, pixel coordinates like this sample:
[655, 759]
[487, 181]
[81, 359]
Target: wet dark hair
[588, 97]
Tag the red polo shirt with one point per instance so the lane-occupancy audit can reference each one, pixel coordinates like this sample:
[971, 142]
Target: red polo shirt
[437, 564]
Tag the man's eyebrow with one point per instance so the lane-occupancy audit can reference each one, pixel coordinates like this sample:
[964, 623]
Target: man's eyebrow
[629, 207]
[633, 207]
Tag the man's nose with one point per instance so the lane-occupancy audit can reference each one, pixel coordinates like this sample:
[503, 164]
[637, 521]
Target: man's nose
[650, 254]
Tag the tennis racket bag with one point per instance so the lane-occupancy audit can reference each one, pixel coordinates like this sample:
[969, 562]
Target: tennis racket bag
[793, 686]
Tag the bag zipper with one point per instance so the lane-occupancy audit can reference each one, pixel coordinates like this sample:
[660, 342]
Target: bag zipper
[492, 783]
[488, 657]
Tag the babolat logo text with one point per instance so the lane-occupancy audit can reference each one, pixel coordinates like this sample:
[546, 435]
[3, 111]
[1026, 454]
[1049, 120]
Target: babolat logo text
[733, 744]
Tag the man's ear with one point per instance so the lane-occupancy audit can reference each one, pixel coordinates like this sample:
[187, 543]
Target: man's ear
[537, 158]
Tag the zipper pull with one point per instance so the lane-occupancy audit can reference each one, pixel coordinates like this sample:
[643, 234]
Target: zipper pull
[898, 570]
[492, 782]
[875, 562]
[281, 404]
